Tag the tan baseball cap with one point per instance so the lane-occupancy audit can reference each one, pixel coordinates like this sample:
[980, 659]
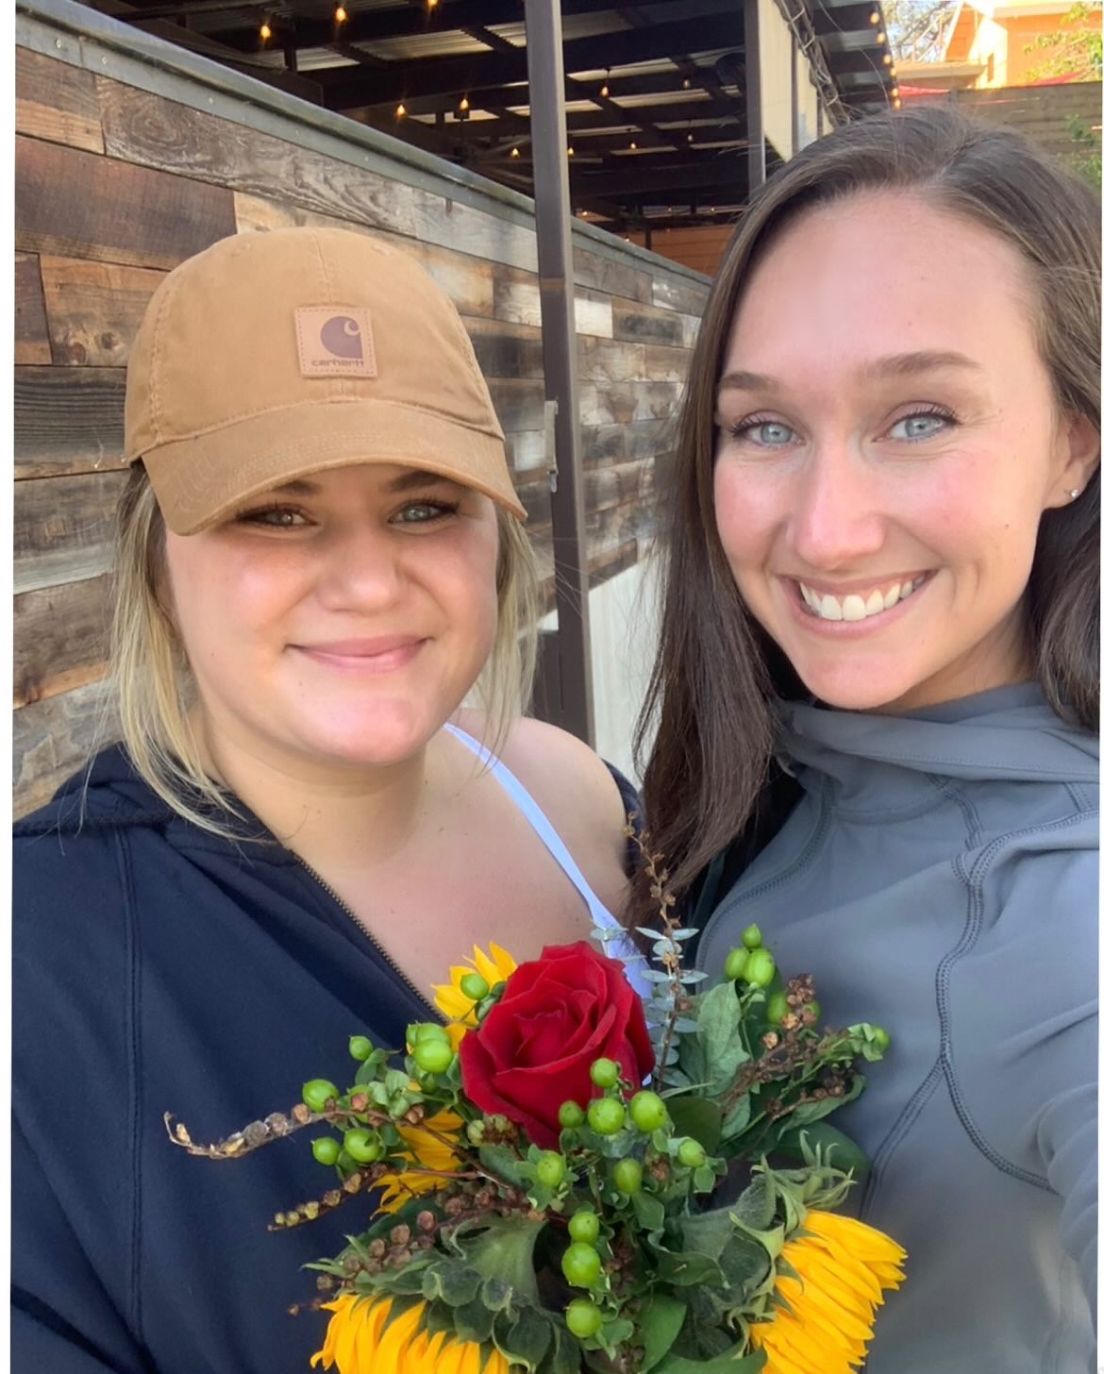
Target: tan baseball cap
[270, 356]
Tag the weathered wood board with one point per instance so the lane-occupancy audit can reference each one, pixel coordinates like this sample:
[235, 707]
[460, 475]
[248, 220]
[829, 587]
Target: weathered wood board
[56, 103]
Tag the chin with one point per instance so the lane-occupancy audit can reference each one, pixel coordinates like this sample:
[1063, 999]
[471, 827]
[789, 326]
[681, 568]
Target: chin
[857, 690]
[379, 742]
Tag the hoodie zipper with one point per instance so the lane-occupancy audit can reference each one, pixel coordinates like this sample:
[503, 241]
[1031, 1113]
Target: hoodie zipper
[387, 959]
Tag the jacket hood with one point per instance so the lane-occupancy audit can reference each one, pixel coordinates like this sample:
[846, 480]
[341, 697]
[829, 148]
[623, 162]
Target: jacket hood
[1010, 733]
[107, 792]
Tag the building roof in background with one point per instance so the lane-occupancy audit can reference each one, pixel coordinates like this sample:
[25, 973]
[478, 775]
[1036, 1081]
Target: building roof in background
[655, 89]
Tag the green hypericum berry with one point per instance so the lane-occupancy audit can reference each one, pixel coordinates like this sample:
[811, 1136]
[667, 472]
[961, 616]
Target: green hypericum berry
[760, 968]
[551, 1168]
[604, 1073]
[326, 1149]
[571, 1114]
[425, 1030]
[605, 1116]
[735, 964]
[581, 1264]
[318, 1092]
[880, 1036]
[364, 1146]
[628, 1176]
[752, 938]
[475, 986]
[583, 1317]
[433, 1056]
[584, 1226]
[777, 1007]
[691, 1153]
[360, 1047]
[647, 1111]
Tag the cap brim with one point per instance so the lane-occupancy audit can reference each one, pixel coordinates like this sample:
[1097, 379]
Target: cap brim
[204, 478]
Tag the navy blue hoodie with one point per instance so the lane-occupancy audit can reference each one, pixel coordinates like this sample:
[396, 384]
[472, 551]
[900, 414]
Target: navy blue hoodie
[159, 968]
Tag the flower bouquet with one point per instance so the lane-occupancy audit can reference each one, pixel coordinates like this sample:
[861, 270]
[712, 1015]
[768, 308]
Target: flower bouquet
[568, 1177]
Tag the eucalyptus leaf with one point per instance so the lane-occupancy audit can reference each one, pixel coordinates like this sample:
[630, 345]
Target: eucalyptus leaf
[720, 1033]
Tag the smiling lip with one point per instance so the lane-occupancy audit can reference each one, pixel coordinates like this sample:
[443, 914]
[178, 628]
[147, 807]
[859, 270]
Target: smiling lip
[844, 623]
[382, 654]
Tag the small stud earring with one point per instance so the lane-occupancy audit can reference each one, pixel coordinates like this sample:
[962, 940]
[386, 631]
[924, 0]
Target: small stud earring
[1073, 493]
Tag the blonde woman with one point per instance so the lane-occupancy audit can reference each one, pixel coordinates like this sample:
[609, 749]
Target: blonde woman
[320, 556]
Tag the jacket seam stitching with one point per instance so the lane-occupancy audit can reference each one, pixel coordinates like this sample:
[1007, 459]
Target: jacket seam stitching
[973, 880]
[133, 1018]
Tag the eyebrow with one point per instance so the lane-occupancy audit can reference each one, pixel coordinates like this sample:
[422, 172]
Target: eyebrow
[415, 479]
[893, 365]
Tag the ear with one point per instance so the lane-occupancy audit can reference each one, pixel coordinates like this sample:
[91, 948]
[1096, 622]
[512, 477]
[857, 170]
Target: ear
[1076, 457]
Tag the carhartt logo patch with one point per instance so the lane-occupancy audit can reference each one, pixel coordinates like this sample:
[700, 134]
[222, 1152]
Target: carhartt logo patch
[335, 341]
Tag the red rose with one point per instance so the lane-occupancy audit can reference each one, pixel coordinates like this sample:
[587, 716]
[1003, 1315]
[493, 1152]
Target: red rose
[534, 1050]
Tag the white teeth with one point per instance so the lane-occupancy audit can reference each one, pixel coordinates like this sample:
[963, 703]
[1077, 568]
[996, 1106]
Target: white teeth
[853, 607]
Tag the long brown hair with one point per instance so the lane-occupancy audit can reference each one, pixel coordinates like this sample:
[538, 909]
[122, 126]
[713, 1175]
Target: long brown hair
[717, 677]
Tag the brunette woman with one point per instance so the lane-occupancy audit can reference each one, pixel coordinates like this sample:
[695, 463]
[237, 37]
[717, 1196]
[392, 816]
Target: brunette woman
[876, 702]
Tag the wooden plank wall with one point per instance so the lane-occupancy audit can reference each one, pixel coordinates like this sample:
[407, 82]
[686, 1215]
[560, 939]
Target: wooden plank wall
[114, 186]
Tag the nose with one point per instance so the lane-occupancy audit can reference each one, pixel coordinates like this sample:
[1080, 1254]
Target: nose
[360, 569]
[836, 520]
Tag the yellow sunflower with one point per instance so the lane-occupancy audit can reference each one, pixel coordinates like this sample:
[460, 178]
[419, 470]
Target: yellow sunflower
[361, 1339]
[428, 1145]
[839, 1271]
[495, 967]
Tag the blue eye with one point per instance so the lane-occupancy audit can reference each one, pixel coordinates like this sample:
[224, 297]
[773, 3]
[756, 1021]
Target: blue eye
[425, 512]
[274, 517]
[920, 426]
[765, 433]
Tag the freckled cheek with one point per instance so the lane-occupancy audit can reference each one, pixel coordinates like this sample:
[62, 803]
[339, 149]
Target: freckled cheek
[749, 515]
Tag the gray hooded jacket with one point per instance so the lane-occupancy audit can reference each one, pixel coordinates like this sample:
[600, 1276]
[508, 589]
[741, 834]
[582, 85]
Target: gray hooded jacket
[939, 877]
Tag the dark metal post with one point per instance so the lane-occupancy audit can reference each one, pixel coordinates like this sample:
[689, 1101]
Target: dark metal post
[574, 709]
[757, 145]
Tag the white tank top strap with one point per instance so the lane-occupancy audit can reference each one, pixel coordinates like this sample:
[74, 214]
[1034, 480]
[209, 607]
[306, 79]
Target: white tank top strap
[614, 939]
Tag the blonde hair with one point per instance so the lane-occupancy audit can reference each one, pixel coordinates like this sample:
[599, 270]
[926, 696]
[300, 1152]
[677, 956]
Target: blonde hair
[156, 692]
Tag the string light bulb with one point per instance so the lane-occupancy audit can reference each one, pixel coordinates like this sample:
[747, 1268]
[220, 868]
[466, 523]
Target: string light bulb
[604, 92]
[464, 104]
[685, 83]
[340, 14]
[570, 151]
[515, 152]
[689, 138]
[632, 147]
[400, 110]
[880, 36]
[875, 17]
[266, 31]
[887, 59]
[431, 4]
